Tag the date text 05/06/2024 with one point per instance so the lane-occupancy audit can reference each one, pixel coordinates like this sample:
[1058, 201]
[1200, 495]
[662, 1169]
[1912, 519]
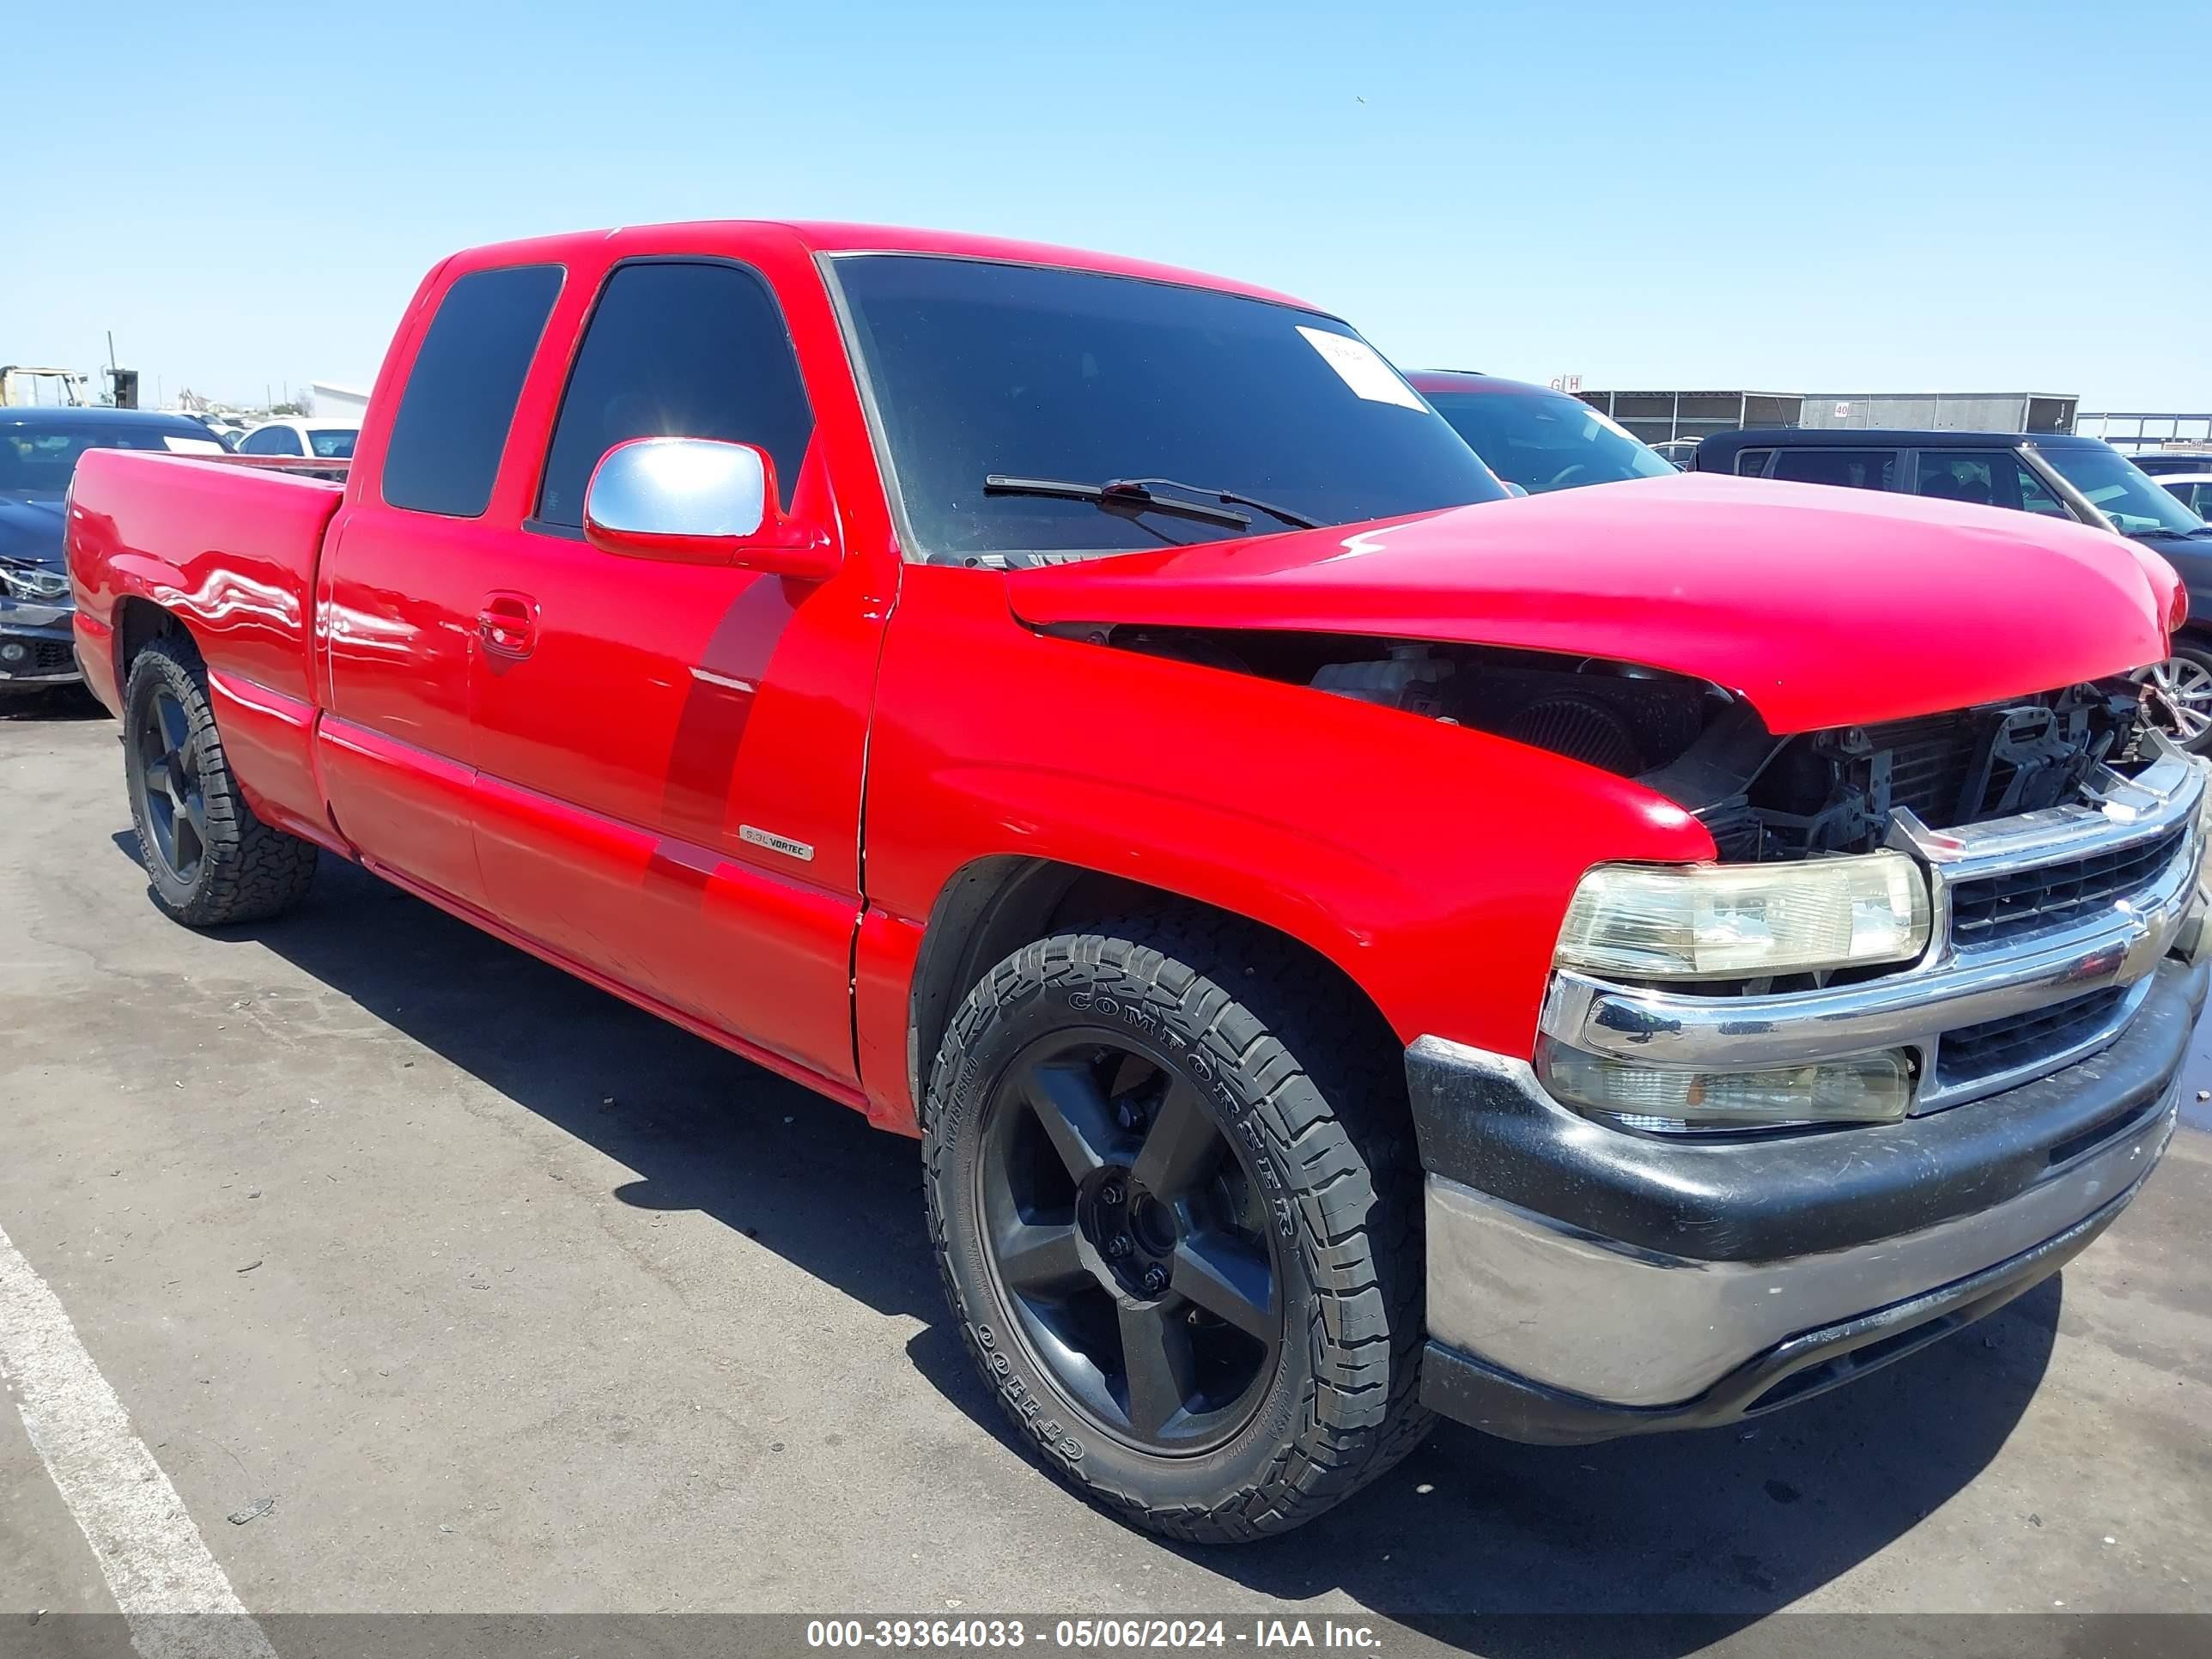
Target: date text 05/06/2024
[1260, 1635]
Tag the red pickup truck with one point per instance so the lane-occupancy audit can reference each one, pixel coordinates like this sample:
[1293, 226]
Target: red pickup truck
[1352, 946]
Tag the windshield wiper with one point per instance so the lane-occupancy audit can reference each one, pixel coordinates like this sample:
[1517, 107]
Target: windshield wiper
[1140, 495]
[1295, 520]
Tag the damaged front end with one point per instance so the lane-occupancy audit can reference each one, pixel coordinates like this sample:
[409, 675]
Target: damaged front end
[1837, 791]
[1723, 1172]
[1904, 915]
[1761, 797]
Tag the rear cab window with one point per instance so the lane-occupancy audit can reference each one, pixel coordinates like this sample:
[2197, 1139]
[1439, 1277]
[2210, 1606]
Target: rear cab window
[453, 423]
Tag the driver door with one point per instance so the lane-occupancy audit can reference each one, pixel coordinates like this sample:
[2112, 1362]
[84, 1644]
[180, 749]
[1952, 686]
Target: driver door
[669, 754]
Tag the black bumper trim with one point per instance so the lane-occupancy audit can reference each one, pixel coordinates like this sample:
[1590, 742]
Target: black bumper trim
[1457, 1385]
[1772, 1198]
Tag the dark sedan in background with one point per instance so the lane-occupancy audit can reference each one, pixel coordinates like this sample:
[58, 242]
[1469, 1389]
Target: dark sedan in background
[39, 449]
[1533, 437]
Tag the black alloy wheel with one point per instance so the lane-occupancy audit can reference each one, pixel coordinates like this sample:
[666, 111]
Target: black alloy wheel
[171, 799]
[1171, 1183]
[1131, 1241]
[209, 859]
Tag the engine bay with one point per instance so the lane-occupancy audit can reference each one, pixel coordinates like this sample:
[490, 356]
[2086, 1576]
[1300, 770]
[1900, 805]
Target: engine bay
[1761, 796]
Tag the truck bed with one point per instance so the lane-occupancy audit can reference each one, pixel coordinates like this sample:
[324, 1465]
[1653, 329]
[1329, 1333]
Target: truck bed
[231, 549]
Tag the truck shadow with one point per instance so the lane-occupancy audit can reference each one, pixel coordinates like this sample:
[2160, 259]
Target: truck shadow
[1676, 1540]
[1473, 1541]
[704, 1129]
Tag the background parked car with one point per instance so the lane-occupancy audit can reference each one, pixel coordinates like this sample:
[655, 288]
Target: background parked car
[2164, 463]
[2056, 475]
[302, 435]
[39, 449]
[2192, 490]
[1535, 437]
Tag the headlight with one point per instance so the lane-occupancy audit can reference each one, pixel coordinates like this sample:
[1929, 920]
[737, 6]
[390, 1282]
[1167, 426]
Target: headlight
[1864, 1089]
[33, 582]
[1746, 922]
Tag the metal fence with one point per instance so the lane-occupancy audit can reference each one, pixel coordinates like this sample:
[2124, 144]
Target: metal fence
[2132, 432]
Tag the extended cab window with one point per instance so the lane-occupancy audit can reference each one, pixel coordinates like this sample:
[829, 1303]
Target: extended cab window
[459, 401]
[677, 349]
[1857, 469]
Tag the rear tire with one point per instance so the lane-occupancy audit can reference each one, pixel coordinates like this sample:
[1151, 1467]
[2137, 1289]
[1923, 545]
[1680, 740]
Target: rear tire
[211, 862]
[1196, 1055]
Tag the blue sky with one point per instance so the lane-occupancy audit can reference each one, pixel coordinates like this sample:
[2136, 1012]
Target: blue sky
[1814, 197]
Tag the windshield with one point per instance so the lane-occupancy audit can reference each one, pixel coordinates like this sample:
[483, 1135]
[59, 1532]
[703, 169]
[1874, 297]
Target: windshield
[37, 459]
[1547, 440]
[2121, 491]
[981, 369]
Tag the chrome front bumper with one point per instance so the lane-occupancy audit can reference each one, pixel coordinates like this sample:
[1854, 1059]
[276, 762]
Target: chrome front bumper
[1954, 986]
[1586, 1281]
[1572, 1310]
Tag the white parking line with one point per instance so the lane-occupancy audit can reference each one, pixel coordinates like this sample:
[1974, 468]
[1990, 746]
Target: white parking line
[155, 1563]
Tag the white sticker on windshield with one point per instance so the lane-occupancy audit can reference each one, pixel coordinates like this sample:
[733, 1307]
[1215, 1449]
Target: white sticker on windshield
[1360, 366]
[177, 445]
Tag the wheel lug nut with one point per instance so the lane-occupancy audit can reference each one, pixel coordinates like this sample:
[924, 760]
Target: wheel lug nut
[1109, 1193]
[1156, 1280]
[1117, 1247]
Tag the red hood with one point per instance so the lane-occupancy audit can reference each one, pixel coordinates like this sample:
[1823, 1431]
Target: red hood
[1824, 606]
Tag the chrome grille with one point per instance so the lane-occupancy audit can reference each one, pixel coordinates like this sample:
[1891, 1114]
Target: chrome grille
[2037, 1039]
[2017, 903]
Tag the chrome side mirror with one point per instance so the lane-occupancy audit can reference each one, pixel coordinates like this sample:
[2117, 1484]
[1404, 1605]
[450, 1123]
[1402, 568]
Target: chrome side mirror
[687, 487]
[699, 500]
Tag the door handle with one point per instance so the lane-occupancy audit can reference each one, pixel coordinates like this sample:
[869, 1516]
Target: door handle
[508, 624]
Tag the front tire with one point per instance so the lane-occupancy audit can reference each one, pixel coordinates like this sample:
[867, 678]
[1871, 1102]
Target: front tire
[1173, 1194]
[210, 860]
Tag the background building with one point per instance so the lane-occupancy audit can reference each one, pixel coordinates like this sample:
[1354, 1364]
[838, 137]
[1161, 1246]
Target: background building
[329, 402]
[1661, 418]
